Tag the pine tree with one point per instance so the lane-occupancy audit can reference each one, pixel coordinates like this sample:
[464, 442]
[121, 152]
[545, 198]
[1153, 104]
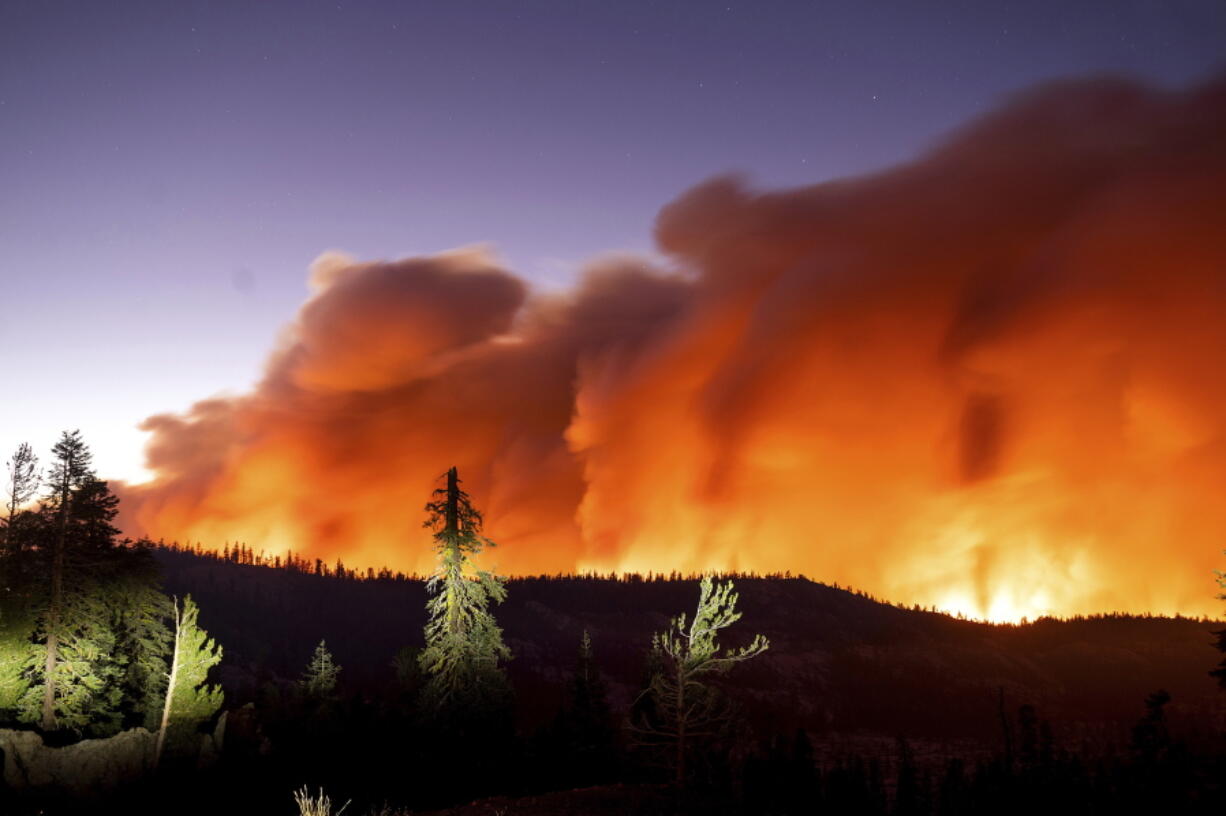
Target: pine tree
[686, 706]
[87, 620]
[82, 680]
[17, 616]
[585, 723]
[1220, 671]
[23, 482]
[189, 700]
[463, 641]
[319, 680]
[71, 665]
[143, 641]
[588, 695]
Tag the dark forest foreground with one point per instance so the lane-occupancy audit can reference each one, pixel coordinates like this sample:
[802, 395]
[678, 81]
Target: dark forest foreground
[859, 707]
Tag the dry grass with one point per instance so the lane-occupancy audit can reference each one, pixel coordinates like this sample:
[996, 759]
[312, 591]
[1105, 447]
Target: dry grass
[319, 805]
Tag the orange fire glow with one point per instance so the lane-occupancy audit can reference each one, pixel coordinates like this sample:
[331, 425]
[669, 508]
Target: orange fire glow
[992, 381]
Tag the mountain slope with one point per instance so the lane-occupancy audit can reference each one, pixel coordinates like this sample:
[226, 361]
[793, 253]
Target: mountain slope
[839, 661]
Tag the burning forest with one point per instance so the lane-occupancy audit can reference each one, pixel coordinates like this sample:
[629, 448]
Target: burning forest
[986, 381]
[549, 408]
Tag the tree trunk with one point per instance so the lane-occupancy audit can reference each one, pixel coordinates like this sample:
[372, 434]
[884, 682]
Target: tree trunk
[451, 535]
[54, 610]
[170, 690]
[453, 502]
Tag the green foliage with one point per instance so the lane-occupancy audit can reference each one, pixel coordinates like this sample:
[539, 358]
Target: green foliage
[143, 641]
[17, 628]
[111, 647]
[86, 689]
[693, 648]
[319, 680]
[190, 701]
[463, 641]
[76, 663]
[71, 468]
[17, 621]
[684, 706]
[84, 644]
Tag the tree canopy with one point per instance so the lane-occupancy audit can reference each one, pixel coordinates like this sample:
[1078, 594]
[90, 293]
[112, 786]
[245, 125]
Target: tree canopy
[464, 649]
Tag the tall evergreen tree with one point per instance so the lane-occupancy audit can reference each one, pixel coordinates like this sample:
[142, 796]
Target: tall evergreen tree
[143, 642]
[319, 680]
[82, 680]
[464, 645]
[98, 649]
[687, 707]
[189, 699]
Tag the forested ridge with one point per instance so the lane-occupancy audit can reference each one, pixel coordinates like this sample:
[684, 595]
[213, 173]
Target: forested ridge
[840, 660]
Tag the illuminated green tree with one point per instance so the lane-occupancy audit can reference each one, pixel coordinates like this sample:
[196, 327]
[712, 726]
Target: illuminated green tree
[82, 680]
[685, 706]
[17, 617]
[319, 680]
[189, 701]
[143, 642]
[464, 645]
[72, 668]
[17, 625]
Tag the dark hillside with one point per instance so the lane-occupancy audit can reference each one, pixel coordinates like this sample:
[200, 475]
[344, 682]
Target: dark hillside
[839, 661]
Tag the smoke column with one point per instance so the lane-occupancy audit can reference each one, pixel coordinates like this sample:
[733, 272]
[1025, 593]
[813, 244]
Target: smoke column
[992, 380]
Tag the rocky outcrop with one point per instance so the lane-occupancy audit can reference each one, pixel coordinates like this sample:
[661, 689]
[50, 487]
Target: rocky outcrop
[84, 767]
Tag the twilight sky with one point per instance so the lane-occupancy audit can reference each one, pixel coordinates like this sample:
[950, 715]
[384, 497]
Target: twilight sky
[168, 171]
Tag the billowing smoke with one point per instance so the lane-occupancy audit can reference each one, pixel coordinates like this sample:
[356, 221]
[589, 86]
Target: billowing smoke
[992, 380]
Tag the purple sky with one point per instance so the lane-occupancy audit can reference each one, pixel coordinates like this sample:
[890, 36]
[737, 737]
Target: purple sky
[168, 170]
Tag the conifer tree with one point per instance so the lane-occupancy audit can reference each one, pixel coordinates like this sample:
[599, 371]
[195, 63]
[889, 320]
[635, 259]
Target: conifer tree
[1220, 671]
[319, 680]
[587, 686]
[23, 482]
[464, 645]
[17, 618]
[143, 641]
[586, 723]
[83, 681]
[88, 621]
[189, 699]
[74, 685]
[686, 706]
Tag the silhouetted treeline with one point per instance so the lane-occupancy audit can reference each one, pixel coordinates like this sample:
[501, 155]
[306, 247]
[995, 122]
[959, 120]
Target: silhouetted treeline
[242, 554]
[840, 662]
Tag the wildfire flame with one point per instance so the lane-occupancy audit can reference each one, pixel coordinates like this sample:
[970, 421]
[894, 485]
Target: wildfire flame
[989, 381]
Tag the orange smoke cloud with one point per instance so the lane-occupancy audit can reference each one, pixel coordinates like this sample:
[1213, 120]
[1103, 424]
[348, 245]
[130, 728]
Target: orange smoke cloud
[991, 380]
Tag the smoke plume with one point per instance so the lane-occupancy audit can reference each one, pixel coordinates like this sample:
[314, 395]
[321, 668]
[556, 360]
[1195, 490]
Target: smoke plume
[991, 380]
